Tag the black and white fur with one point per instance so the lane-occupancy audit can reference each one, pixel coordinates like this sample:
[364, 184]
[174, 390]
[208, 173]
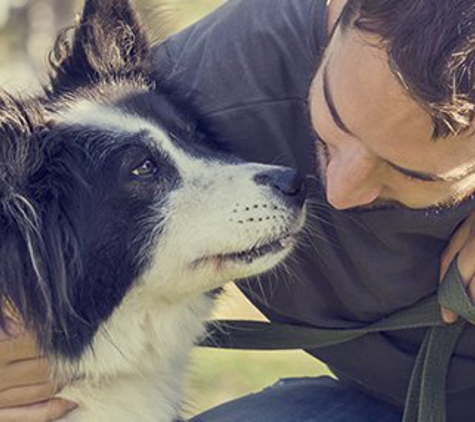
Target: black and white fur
[117, 221]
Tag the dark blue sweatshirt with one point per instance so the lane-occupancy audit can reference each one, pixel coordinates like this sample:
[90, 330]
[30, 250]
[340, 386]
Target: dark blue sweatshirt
[248, 67]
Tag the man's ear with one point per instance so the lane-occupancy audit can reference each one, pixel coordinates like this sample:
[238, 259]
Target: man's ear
[109, 43]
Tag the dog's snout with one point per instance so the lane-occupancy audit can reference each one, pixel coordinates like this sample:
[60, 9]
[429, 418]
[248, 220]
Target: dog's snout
[288, 183]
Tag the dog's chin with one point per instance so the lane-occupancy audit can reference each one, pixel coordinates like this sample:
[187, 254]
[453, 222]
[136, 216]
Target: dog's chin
[248, 262]
[254, 260]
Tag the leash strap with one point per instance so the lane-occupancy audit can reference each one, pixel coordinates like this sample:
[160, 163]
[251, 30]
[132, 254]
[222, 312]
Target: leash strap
[426, 395]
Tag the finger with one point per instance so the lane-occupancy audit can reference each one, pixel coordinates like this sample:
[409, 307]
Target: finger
[457, 241]
[18, 348]
[21, 396]
[26, 372]
[448, 316]
[466, 261]
[12, 330]
[41, 412]
[471, 290]
[462, 240]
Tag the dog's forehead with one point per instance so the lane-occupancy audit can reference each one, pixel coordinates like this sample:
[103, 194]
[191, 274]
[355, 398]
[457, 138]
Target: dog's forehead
[122, 122]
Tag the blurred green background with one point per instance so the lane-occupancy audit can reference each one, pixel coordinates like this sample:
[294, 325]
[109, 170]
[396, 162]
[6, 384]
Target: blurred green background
[27, 32]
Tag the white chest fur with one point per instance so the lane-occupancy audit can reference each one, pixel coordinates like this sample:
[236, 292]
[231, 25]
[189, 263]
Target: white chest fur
[135, 371]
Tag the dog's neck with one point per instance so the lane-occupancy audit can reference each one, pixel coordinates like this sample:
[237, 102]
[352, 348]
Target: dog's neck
[140, 372]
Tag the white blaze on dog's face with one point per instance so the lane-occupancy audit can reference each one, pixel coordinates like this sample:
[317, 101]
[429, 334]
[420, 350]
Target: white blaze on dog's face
[218, 220]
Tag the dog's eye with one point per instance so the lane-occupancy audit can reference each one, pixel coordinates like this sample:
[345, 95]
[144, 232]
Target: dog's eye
[146, 169]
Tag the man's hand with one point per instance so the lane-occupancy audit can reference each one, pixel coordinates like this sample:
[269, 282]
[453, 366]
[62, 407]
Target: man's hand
[25, 385]
[462, 243]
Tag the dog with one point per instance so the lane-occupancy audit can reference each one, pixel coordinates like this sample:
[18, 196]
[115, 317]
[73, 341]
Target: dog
[120, 221]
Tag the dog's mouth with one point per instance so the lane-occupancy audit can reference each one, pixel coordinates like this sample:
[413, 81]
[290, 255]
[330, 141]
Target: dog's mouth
[248, 256]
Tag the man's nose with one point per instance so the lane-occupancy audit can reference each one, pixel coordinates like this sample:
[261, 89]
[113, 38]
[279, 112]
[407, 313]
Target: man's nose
[353, 179]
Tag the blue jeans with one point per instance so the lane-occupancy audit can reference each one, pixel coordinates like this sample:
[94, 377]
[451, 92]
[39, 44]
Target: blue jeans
[304, 400]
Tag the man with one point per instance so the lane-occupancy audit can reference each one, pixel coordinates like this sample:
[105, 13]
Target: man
[388, 139]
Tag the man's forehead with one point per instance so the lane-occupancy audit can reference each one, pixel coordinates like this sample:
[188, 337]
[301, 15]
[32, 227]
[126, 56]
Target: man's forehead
[375, 106]
[364, 86]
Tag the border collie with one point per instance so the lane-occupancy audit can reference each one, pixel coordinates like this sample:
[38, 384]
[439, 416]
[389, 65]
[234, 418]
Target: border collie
[119, 222]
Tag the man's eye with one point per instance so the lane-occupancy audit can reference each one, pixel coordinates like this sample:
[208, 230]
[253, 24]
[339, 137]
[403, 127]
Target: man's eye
[146, 169]
[412, 178]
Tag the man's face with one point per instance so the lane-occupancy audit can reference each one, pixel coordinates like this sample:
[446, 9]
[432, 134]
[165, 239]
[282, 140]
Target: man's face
[376, 146]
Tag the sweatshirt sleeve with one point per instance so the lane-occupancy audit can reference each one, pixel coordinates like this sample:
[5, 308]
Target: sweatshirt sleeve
[246, 51]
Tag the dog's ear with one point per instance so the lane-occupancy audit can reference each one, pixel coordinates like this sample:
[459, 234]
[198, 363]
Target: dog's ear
[38, 248]
[21, 269]
[108, 44]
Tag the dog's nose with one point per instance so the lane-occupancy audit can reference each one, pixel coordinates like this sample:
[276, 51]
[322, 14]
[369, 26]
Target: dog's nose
[287, 183]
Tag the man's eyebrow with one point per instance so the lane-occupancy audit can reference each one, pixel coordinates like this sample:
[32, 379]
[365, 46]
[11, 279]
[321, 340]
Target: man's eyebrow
[423, 176]
[331, 105]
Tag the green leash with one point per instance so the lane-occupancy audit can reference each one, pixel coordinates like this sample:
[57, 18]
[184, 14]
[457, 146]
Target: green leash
[426, 395]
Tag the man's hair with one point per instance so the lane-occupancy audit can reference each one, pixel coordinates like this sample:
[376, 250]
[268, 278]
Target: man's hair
[431, 47]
